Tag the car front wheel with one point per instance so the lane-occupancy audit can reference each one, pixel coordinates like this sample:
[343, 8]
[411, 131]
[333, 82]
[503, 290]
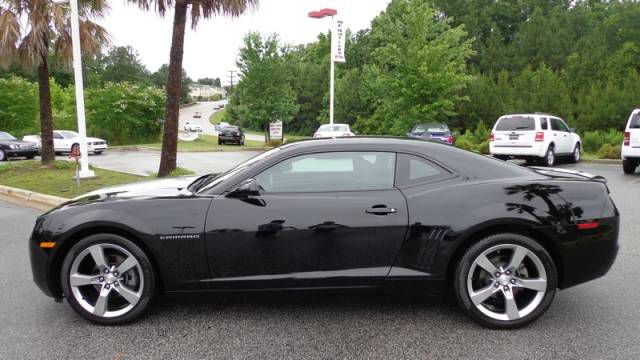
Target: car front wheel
[3, 156]
[505, 281]
[576, 156]
[108, 279]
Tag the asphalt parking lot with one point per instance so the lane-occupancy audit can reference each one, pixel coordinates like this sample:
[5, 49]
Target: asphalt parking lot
[597, 320]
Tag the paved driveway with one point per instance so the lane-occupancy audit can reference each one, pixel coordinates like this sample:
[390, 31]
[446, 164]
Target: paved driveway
[597, 320]
[206, 110]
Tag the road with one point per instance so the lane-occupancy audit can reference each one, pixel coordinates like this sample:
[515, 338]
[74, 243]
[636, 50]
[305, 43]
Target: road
[206, 110]
[597, 320]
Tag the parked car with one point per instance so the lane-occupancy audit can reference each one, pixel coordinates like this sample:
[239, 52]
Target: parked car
[433, 131]
[193, 127]
[333, 130]
[10, 147]
[63, 140]
[231, 134]
[367, 214]
[197, 115]
[534, 137]
[631, 145]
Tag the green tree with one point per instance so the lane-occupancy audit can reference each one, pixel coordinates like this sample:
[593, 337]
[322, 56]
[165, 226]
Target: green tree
[18, 106]
[264, 94]
[122, 64]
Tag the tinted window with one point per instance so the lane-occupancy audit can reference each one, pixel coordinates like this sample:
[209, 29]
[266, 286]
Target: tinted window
[334, 171]
[544, 124]
[558, 125]
[512, 123]
[414, 170]
[635, 121]
[57, 136]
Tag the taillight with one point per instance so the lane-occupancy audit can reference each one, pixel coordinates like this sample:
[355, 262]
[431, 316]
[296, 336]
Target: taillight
[539, 136]
[588, 225]
[627, 138]
[491, 137]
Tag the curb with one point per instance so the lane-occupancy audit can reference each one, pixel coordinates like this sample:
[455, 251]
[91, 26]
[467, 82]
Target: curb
[603, 161]
[29, 198]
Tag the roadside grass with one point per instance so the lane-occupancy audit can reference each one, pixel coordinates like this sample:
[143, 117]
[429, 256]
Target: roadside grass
[58, 178]
[217, 116]
[209, 143]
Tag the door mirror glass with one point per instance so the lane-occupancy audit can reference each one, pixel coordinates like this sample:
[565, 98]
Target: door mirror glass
[246, 189]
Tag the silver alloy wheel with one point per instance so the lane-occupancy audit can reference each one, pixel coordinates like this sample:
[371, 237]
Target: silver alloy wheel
[106, 280]
[576, 154]
[1, 155]
[550, 157]
[507, 282]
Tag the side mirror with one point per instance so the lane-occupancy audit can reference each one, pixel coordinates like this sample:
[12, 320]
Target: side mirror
[573, 130]
[246, 189]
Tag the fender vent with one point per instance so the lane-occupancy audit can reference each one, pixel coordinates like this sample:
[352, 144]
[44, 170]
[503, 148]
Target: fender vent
[429, 242]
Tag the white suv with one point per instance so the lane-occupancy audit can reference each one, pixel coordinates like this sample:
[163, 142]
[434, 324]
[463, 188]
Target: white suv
[534, 137]
[631, 144]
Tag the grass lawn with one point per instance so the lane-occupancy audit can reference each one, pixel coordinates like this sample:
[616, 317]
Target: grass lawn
[210, 143]
[217, 116]
[57, 179]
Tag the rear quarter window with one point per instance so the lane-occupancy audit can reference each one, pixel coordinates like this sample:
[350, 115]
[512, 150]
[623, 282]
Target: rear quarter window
[514, 123]
[634, 123]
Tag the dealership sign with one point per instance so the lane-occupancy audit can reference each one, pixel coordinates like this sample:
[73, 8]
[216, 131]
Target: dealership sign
[338, 42]
[275, 130]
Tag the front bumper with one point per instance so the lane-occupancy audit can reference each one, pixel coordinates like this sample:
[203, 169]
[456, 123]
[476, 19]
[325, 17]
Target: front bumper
[41, 259]
[94, 148]
[234, 138]
[22, 152]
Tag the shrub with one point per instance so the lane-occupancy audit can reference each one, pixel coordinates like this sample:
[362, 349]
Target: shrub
[592, 141]
[608, 151]
[181, 172]
[464, 144]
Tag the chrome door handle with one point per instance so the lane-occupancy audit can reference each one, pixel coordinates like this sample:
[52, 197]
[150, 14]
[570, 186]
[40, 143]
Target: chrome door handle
[381, 211]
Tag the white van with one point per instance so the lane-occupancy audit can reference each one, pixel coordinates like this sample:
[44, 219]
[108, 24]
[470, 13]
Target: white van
[538, 137]
[631, 144]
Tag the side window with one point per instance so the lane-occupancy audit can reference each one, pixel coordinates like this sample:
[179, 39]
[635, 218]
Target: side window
[413, 170]
[331, 171]
[563, 126]
[544, 124]
[555, 124]
[57, 136]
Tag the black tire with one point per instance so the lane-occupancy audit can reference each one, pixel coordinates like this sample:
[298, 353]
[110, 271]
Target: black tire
[464, 265]
[219, 142]
[3, 156]
[629, 166]
[550, 158]
[30, 157]
[576, 156]
[98, 152]
[147, 293]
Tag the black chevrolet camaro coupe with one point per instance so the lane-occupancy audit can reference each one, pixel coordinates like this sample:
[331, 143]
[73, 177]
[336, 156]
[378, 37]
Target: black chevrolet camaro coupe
[368, 214]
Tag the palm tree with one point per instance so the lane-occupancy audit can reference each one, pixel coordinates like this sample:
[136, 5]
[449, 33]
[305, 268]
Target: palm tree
[198, 9]
[29, 29]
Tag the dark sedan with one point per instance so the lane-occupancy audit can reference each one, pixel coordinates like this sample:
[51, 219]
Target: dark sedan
[231, 134]
[434, 131]
[367, 214]
[12, 147]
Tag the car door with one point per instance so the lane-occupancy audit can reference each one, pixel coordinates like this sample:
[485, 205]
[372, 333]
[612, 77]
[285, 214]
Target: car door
[331, 219]
[561, 136]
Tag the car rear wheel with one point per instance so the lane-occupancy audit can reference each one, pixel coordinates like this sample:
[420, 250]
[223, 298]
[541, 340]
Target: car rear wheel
[549, 159]
[576, 156]
[505, 281]
[108, 279]
[629, 166]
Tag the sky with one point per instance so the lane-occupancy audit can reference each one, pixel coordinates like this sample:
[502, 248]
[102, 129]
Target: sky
[211, 50]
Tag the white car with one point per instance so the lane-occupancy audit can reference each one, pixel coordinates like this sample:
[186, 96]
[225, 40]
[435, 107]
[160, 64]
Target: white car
[534, 137]
[333, 130]
[63, 140]
[631, 144]
[188, 126]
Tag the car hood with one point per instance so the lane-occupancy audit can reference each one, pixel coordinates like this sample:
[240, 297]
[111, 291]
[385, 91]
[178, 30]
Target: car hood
[15, 142]
[170, 187]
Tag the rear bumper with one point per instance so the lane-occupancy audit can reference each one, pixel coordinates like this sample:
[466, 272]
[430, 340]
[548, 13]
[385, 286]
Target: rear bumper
[591, 255]
[537, 150]
[630, 152]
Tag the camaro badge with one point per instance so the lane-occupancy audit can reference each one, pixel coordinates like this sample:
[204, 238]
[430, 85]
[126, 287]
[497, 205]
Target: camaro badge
[180, 237]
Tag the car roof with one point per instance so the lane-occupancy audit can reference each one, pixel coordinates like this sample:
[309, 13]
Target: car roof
[531, 115]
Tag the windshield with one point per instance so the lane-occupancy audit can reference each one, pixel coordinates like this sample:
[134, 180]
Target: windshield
[213, 181]
[431, 128]
[512, 123]
[333, 128]
[69, 134]
[6, 136]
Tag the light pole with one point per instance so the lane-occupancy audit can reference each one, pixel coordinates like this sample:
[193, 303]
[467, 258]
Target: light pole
[84, 172]
[319, 15]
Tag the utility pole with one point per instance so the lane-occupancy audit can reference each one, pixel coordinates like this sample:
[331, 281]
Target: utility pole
[231, 72]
